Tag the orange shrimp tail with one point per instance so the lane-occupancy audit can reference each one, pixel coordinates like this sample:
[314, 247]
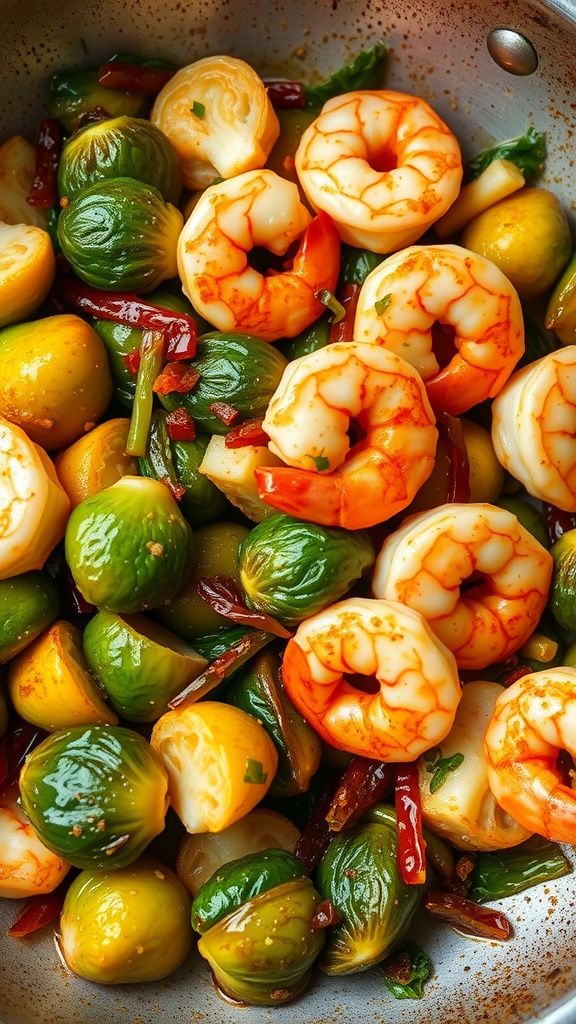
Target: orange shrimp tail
[303, 494]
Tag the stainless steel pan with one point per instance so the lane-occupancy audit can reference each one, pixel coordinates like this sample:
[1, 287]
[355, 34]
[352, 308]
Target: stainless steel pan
[488, 85]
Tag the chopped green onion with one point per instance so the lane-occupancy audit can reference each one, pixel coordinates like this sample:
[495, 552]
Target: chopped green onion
[151, 362]
[331, 302]
[381, 305]
[198, 109]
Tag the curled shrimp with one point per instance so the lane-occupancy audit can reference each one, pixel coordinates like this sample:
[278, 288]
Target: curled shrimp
[425, 563]
[258, 208]
[533, 720]
[534, 424]
[27, 868]
[382, 164]
[425, 292]
[418, 685]
[325, 480]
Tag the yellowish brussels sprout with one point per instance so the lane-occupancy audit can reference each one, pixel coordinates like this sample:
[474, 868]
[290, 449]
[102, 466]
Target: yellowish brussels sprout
[50, 683]
[27, 867]
[27, 267]
[220, 763]
[457, 802]
[17, 165]
[561, 309]
[96, 460]
[527, 235]
[126, 926]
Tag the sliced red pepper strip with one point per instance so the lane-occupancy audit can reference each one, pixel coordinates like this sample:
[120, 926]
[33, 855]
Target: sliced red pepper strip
[38, 911]
[44, 191]
[362, 784]
[558, 522]
[180, 425]
[179, 329]
[284, 94]
[15, 746]
[411, 843]
[226, 413]
[222, 594]
[176, 377]
[458, 487]
[467, 916]
[245, 434]
[343, 330]
[222, 667]
[135, 78]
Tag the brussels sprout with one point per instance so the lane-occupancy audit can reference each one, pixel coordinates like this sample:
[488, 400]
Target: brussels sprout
[562, 599]
[120, 235]
[128, 547]
[128, 925]
[121, 147]
[292, 569]
[140, 665]
[95, 461]
[212, 645]
[74, 93]
[359, 874]
[561, 310]
[527, 515]
[263, 952]
[28, 605]
[310, 340]
[257, 689]
[236, 369]
[95, 795]
[240, 880]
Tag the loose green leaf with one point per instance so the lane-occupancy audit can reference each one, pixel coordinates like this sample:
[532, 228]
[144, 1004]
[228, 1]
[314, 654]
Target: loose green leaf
[411, 962]
[506, 872]
[254, 772]
[366, 71]
[381, 305]
[527, 151]
[440, 768]
[198, 109]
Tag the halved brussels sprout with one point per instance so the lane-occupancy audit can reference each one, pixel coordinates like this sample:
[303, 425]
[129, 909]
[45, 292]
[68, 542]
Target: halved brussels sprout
[120, 147]
[120, 235]
[74, 93]
[359, 874]
[96, 460]
[292, 569]
[236, 369]
[258, 690]
[562, 599]
[96, 795]
[128, 547]
[263, 952]
[125, 926]
[28, 605]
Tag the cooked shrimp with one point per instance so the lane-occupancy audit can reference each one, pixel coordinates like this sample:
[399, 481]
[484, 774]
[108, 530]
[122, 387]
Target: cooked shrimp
[382, 164]
[27, 868]
[415, 296]
[534, 427]
[307, 421]
[258, 208]
[418, 685]
[534, 719]
[218, 117]
[425, 563]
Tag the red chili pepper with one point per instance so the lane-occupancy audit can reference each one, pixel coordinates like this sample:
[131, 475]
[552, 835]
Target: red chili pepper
[411, 844]
[15, 746]
[93, 116]
[179, 329]
[38, 911]
[176, 377]
[286, 95]
[342, 330]
[222, 594]
[467, 916]
[558, 521]
[44, 192]
[362, 784]
[180, 425]
[226, 413]
[458, 487]
[134, 78]
[132, 361]
[248, 433]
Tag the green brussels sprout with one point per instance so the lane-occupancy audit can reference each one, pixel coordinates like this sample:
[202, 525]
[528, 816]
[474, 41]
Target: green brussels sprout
[120, 147]
[359, 874]
[527, 515]
[257, 689]
[240, 880]
[177, 462]
[140, 665]
[74, 93]
[292, 569]
[236, 369]
[128, 547]
[125, 926]
[95, 795]
[562, 598]
[263, 952]
[120, 235]
[28, 605]
[310, 340]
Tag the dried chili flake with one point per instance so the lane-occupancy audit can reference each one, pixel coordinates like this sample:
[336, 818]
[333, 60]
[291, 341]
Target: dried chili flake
[225, 412]
[37, 912]
[180, 425]
[176, 377]
[245, 434]
[467, 916]
[132, 361]
[222, 594]
[362, 784]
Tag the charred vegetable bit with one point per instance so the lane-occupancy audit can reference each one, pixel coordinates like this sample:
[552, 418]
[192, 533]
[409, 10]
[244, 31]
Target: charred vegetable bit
[222, 594]
[406, 972]
[411, 844]
[180, 425]
[246, 434]
[44, 189]
[468, 917]
[363, 783]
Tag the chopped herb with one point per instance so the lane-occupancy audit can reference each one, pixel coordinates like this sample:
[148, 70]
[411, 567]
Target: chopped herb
[366, 71]
[254, 772]
[198, 109]
[406, 972]
[321, 462]
[381, 305]
[440, 767]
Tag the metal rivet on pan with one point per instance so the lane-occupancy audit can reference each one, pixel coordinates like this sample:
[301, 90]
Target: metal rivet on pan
[512, 51]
